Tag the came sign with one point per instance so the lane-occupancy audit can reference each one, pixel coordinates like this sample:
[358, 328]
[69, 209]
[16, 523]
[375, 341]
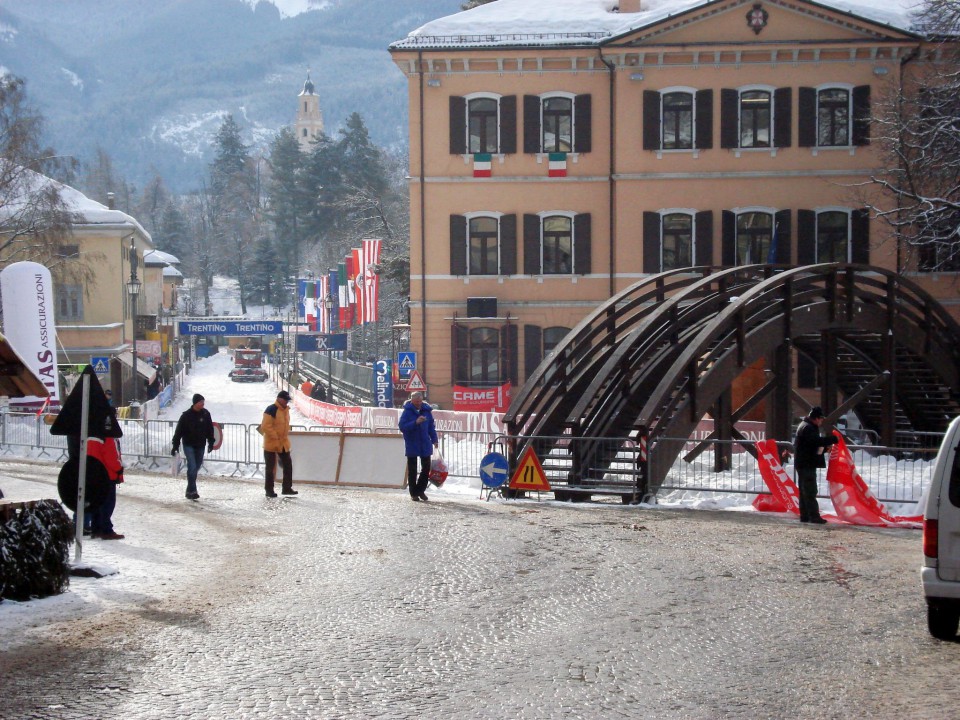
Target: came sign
[321, 342]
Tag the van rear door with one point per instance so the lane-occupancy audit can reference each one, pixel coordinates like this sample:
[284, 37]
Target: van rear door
[948, 535]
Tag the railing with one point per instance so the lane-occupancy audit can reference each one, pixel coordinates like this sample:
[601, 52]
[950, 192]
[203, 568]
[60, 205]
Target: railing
[600, 465]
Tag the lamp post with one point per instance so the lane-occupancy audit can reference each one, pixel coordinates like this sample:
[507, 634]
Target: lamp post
[133, 290]
[328, 314]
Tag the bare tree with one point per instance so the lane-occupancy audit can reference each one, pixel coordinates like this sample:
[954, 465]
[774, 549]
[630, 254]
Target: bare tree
[34, 220]
[918, 129]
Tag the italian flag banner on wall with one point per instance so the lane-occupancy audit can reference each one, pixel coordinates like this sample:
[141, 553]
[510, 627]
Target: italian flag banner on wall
[558, 165]
[482, 164]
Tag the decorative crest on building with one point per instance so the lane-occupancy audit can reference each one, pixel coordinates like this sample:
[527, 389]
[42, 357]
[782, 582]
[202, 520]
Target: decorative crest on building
[757, 18]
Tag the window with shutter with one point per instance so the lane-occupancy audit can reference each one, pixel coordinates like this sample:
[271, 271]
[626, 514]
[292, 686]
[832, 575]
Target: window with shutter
[833, 236]
[676, 250]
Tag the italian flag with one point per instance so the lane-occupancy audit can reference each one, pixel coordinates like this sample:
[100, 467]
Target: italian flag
[558, 165]
[481, 164]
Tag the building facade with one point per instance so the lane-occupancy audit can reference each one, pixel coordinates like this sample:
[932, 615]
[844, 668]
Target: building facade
[557, 160]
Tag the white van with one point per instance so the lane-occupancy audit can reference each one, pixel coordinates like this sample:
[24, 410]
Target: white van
[941, 539]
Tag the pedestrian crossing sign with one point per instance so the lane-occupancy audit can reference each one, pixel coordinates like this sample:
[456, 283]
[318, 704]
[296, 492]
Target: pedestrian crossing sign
[529, 474]
[407, 363]
[101, 365]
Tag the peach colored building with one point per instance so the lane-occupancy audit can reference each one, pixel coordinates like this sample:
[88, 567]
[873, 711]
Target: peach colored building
[560, 151]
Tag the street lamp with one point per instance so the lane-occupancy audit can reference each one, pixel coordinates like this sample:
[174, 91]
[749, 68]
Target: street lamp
[133, 290]
[328, 314]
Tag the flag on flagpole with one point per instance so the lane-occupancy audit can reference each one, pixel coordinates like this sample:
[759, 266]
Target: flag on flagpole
[357, 285]
[772, 253]
[351, 289]
[333, 290]
[323, 312]
[371, 280]
[343, 295]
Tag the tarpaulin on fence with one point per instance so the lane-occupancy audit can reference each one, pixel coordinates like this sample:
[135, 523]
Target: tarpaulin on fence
[784, 497]
[852, 498]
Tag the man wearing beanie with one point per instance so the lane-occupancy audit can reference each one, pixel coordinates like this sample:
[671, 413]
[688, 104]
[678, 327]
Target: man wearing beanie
[276, 445]
[809, 446]
[194, 430]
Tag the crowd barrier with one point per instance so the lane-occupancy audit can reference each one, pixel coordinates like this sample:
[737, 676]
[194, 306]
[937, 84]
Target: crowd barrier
[894, 475]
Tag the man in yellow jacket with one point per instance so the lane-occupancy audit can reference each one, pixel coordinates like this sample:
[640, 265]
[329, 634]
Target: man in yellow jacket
[276, 445]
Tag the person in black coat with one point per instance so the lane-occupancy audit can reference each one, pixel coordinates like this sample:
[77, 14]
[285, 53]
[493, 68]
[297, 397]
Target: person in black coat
[194, 430]
[809, 446]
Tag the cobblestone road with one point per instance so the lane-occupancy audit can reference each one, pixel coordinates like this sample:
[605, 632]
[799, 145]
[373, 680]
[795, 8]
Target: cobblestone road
[361, 604]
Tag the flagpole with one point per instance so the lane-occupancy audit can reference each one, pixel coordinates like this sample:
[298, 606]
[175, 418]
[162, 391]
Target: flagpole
[82, 473]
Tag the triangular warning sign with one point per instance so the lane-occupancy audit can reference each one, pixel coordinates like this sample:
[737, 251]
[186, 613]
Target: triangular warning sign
[529, 474]
[416, 382]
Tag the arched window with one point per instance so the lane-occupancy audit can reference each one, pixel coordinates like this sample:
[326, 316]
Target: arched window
[677, 241]
[482, 125]
[755, 118]
[754, 235]
[483, 355]
[483, 239]
[833, 117]
[557, 248]
[677, 121]
[833, 236]
[557, 124]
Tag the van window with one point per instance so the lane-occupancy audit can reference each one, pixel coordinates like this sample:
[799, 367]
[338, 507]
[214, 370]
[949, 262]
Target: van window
[954, 492]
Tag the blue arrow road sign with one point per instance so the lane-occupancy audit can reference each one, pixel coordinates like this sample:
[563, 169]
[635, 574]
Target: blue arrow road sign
[493, 469]
[101, 365]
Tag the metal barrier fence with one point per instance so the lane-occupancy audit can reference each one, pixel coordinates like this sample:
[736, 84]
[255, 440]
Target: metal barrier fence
[613, 466]
[894, 475]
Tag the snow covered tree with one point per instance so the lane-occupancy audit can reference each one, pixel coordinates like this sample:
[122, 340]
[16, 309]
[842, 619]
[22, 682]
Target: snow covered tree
[918, 128]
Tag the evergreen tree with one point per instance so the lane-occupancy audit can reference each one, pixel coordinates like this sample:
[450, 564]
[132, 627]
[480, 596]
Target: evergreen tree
[289, 205]
[173, 233]
[234, 205]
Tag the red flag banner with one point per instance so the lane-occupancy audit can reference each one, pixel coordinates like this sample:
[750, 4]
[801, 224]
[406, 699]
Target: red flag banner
[351, 290]
[371, 280]
[852, 498]
[357, 286]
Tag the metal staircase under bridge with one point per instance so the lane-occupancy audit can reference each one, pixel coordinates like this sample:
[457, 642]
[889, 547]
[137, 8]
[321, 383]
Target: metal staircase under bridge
[645, 367]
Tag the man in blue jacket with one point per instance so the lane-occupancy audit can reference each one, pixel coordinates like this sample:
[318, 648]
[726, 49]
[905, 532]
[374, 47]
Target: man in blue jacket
[419, 438]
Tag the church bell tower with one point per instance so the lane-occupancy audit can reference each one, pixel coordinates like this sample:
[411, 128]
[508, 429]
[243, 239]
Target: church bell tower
[309, 124]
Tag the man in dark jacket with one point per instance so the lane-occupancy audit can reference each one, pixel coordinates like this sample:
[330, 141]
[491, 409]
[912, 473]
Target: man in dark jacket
[419, 438]
[809, 447]
[194, 430]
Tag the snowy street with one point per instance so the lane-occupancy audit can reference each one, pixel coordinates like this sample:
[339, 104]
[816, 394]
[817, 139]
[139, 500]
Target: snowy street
[353, 603]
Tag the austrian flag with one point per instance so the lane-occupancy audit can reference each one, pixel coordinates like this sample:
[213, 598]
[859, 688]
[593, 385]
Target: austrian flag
[482, 164]
[558, 165]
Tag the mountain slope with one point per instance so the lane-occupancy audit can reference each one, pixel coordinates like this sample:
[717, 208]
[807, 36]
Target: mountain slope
[150, 80]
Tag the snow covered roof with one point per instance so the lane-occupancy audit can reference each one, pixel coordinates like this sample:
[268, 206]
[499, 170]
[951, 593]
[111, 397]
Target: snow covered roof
[159, 257]
[85, 211]
[591, 22]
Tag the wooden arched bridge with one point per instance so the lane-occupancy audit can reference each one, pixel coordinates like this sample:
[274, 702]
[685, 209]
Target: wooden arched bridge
[656, 358]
